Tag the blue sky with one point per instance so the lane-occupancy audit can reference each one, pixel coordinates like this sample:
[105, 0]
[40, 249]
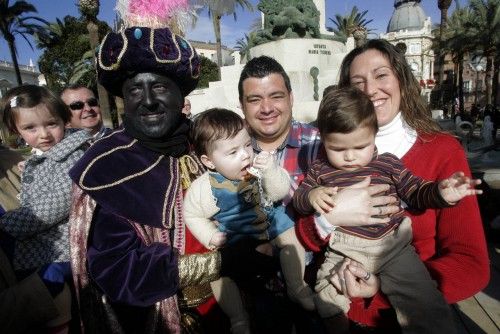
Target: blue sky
[378, 10]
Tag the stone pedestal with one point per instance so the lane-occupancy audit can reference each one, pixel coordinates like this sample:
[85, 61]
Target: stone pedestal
[298, 57]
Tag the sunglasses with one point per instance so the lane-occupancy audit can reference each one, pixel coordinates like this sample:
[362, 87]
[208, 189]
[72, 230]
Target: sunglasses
[78, 105]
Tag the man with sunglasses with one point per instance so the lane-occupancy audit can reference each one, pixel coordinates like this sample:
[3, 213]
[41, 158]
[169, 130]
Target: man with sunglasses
[85, 110]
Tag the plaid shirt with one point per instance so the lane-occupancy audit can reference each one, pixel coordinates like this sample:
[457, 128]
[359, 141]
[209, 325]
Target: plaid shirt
[297, 153]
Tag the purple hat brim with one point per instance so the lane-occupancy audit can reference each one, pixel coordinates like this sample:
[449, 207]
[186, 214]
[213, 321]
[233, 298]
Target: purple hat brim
[140, 50]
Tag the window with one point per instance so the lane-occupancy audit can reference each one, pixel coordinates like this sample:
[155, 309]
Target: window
[467, 87]
[415, 48]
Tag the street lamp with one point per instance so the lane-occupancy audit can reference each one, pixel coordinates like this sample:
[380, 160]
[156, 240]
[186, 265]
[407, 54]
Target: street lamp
[478, 69]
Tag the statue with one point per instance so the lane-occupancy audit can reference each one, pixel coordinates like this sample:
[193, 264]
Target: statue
[288, 19]
[487, 131]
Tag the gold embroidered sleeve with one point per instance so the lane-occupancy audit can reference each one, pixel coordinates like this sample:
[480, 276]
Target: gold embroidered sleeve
[197, 269]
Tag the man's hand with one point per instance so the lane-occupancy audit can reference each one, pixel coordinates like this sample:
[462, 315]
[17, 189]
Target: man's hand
[321, 199]
[218, 239]
[457, 186]
[362, 204]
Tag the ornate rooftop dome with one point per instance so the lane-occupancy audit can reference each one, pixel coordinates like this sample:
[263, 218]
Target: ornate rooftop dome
[408, 15]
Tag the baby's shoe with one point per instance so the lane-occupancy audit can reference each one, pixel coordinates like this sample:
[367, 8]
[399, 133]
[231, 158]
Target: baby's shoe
[303, 296]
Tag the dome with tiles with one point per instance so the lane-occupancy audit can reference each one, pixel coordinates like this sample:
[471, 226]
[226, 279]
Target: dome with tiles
[408, 15]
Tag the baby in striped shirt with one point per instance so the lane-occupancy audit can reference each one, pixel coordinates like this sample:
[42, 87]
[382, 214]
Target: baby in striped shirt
[348, 124]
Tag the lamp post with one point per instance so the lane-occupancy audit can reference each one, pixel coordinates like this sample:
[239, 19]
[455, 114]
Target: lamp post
[478, 69]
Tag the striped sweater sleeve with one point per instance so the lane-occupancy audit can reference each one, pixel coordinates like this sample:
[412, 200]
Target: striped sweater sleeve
[301, 196]
[415, 191]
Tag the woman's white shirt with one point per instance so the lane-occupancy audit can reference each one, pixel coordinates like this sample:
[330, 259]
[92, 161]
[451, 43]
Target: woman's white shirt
[396, 137]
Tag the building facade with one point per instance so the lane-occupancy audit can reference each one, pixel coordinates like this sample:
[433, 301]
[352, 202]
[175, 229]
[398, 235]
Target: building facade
[411, 30]
[29, 75]
[209, 50]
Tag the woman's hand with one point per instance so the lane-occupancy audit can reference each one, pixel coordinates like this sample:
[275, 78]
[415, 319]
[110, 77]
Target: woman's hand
[362, 204]
[354, 281]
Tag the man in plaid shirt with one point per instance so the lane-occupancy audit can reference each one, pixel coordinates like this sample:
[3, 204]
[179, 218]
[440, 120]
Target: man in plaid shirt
[266, 99]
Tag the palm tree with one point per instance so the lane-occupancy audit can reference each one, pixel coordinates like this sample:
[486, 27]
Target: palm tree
[219, 8]
[458, 40]
[487, 34]
[13, 22]
[89, 10]
[345, 26]
[243, 45]
[52, 35]
[443, 6]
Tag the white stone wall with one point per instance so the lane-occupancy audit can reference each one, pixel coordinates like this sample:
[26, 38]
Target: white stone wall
[297, 56]
[29, 75]
[227, 57]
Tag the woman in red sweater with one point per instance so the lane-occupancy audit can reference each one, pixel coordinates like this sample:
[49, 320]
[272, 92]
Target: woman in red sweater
[449, 241]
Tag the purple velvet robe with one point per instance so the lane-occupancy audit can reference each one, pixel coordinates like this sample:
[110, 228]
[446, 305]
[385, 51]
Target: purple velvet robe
[136, 231]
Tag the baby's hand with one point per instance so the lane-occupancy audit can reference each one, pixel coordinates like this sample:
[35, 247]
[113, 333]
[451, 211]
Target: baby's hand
[218, 239]
[263, 160]
[457, 186]
[321, 199]
[20, 165]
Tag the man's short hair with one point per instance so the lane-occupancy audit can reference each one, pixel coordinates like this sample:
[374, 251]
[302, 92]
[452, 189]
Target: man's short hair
[343, 110]
[76, 86]
[261, 67]
[214, 124]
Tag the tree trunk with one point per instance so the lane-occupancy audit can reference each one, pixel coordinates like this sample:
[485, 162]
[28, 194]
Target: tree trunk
[461, 83]
[101, 91]
[216, 22]
[488, 77]
[494, 87]
[13, 54]
[441, 55]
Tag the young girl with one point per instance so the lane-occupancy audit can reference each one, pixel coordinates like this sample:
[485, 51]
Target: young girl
[39, 226]
[226, 204]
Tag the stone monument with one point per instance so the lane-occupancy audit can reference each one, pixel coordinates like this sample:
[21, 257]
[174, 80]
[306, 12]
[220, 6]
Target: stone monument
[294, 34]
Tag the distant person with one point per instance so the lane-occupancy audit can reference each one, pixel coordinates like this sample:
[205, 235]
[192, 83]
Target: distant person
[186, 108]
[348, 125]
[474, 112]
[495, 118]
[85, 110]
[39, 227]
